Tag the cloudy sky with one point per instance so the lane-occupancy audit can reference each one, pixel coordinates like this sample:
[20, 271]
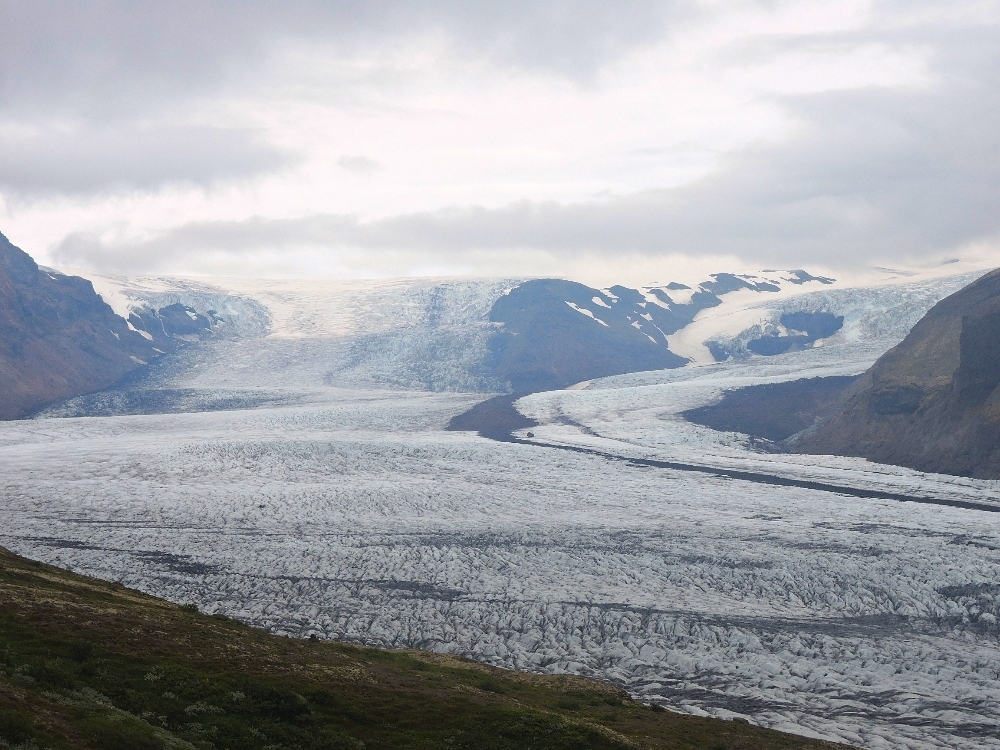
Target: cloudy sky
[361, 139]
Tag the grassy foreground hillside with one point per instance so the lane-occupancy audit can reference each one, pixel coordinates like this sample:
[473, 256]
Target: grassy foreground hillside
[90, 664]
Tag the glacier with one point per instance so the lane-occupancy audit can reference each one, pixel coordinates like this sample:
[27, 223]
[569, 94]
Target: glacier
[325, 498]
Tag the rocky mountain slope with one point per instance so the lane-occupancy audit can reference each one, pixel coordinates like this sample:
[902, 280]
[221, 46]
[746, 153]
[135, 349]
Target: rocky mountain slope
[774, 411]
[554, 333]
[932, 402]
[57, 336]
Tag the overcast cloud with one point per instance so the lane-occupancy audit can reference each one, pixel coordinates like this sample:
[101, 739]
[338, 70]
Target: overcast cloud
[398, 138]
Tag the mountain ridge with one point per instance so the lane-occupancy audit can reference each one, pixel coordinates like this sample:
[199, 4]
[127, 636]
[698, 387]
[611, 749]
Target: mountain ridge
[58, 338]
[933, 401]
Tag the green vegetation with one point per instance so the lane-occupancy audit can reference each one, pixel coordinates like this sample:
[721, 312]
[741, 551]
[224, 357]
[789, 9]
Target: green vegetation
[89, 664]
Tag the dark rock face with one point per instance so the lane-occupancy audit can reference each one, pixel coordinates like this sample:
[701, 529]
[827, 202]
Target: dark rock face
[801, 277]
[174, 322]
[932, 402]
[723, 283]
[815, 325]
[495, 418]
[802, 330]
[808, 328]
[556, 333]
[775, 411]
[978, 372]
[58, 338]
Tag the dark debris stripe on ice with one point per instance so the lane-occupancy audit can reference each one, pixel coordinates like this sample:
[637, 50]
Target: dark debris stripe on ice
[760, 478]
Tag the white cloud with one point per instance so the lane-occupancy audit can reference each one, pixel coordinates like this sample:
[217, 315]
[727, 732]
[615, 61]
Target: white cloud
[359, 165]
[73, 159]
[773, 132]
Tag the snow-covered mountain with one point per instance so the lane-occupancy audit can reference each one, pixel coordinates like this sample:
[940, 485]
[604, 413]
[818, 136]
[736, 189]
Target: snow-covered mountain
[499, 335]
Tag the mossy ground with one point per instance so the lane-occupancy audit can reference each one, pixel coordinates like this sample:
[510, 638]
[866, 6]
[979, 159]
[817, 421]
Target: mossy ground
[90, 664]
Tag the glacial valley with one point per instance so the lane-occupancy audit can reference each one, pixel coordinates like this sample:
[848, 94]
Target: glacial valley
[303, 481]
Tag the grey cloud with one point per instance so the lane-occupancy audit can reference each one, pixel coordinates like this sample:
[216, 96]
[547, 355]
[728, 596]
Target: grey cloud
[82, 159]
[573, 38]
[360, 165]
[173, 248]
[874, 175]
[108, 65]
[111, 57]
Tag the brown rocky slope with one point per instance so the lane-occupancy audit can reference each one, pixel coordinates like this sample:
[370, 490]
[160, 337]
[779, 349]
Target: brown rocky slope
[58, 338]
[933, 402]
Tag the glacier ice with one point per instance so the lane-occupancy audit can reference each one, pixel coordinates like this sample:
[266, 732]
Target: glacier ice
[348, 512]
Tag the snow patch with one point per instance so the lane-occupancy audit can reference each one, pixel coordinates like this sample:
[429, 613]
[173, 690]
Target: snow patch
[586, 312]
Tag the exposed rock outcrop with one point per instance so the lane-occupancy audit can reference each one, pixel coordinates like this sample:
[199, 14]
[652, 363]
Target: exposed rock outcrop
[774, 411]
[58, 338]
[557, 332]
[933, 402]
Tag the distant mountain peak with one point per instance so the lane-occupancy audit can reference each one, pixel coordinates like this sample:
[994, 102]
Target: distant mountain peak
[58, 338]
[555, 332]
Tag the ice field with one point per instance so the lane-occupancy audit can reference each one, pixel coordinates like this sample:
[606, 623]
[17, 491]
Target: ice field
[311, 503]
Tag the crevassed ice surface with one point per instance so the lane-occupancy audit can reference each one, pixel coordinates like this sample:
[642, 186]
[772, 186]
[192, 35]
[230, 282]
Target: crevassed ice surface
[871, 314]
[349, 513]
